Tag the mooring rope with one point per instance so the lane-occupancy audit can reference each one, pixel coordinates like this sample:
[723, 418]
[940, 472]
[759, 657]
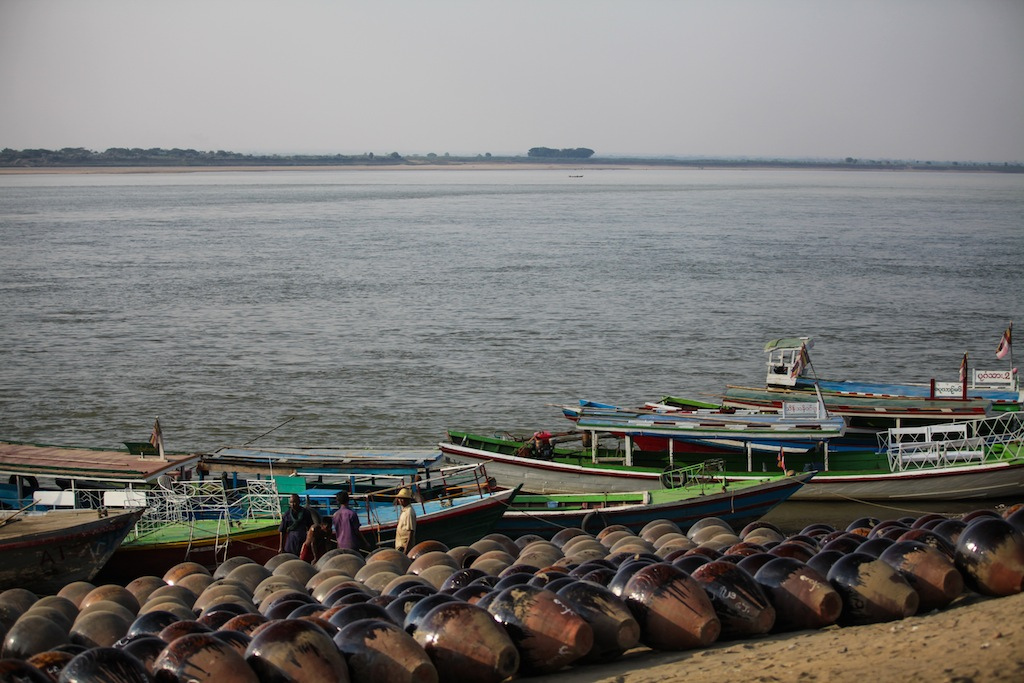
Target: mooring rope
[868, 503]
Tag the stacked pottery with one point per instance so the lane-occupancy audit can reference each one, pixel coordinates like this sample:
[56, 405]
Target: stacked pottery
[741, 605]
[614, 628]
[547, 632]
[990, 555]
[801, 596]
[672, 609]
[871, 589]
[930, 572]
[378, 650]
[503, 608]
[464, 642]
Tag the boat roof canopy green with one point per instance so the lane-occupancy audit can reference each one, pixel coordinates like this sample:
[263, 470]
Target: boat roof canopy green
[787, 343]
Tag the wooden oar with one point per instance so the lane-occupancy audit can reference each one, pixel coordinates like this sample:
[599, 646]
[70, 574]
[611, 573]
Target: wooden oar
[12, 516]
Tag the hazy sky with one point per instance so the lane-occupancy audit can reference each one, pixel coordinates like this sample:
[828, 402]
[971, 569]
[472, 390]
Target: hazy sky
[873, 79]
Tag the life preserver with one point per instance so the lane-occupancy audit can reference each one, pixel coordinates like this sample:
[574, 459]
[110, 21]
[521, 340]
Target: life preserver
[671, 479]
[592, 517]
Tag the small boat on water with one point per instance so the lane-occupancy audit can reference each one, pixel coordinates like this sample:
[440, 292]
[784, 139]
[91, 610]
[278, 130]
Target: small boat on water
[569, 469]
[455, 505]
[191, 516]
[44, 551]
[960, 461]
[704, 494]
[184, 518]
[315, 461]
[865, 412]
[789, 367]
[796, 427]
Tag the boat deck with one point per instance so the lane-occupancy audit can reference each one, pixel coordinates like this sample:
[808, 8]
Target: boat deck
[87, 464]
[314, 461]
[18, 526]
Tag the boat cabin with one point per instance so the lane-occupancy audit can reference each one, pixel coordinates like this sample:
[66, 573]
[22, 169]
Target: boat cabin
[783, 356]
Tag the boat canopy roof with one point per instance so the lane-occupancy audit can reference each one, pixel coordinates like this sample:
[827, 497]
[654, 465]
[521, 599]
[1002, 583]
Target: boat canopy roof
[87, 464]
[788, 343]
[318, 460]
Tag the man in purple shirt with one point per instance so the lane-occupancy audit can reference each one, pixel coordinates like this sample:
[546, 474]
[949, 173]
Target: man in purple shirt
[346, 525]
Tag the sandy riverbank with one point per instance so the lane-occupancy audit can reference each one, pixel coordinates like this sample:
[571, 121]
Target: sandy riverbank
[976, 639]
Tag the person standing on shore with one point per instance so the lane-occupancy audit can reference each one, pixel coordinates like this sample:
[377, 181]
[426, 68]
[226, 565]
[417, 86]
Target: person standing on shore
[295, 524]
[346, 525]
[405, 534]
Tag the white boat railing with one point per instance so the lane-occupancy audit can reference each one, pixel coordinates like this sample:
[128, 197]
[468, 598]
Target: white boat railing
[261, 499]
[178, 503]
[953, 443]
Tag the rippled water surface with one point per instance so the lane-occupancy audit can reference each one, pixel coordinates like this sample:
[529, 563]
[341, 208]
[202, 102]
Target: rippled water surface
[379, 308]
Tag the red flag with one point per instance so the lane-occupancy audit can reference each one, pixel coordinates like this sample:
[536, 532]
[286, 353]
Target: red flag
[157, 437]
[1004, 343]
[963, 369]
[801, 360]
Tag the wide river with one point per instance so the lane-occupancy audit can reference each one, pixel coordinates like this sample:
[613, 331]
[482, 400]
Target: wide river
[380, 308]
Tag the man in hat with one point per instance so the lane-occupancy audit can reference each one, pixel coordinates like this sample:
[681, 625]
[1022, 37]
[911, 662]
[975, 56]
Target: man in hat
[405, 534]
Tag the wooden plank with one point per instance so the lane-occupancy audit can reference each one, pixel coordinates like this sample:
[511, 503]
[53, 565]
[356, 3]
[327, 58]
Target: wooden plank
[85, 463]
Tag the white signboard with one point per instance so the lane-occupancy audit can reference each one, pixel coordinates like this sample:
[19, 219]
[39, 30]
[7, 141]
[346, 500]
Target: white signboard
[949, 389]
[801, 409]
[994, 378]
[982, 378]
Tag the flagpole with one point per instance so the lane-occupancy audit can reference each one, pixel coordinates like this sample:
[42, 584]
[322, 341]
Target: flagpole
[810, 363]
[1006, 348]
[1009, 332]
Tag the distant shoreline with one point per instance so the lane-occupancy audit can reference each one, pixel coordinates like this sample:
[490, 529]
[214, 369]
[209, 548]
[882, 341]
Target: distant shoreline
[36, 170]
[467, 166]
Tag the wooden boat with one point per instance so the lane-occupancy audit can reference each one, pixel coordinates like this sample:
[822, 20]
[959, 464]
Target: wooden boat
[191, 516]
[862, 411]
[312, 462]
[43, 552]
[198, 521]
[23, 462]
[570, 470]
[959, 461]
[201, 521]
[458, 506]
[736, 501]
[455, 505]
[796, 427]
[184, 518]
[789, 367]
[969, 460]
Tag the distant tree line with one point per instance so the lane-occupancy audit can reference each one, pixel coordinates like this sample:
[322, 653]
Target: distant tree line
[576, 158]
[155, 156]
[547, 152]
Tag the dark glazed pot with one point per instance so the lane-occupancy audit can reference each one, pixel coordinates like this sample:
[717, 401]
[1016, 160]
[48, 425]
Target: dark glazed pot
[803, 598]
[672, 609]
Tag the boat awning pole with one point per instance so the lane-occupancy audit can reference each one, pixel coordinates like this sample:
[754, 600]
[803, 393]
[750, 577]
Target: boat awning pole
[629, 451]
[671, 453]
[750, 458]
[593, 447]
[826, 456]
